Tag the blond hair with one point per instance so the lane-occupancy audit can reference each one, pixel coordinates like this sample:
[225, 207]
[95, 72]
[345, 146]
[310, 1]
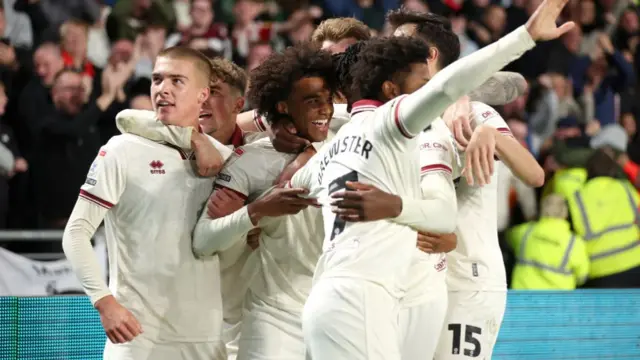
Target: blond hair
[199, 60]
[338, 29]
[229, 73]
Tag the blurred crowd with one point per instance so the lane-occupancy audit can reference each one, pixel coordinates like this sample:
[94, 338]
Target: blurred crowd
[68, 66]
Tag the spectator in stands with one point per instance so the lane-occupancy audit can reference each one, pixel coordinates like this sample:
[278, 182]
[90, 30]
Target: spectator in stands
[549, 256]
[129, 18]
[605, 213]
[66, 140]
[74, 35]
[11, 162]
[370, 12]
[57, 12]
[204, 33]
[257, 53]
[607, 73]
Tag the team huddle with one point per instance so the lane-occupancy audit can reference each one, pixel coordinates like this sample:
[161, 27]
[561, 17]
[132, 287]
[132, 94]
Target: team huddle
[353, 212]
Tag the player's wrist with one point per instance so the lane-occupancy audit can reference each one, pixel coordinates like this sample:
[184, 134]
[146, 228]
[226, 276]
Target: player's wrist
[104, 303]
[255, 212]
[396, 206]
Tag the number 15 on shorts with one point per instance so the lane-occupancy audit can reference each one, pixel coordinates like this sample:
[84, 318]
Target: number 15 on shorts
[471, 344]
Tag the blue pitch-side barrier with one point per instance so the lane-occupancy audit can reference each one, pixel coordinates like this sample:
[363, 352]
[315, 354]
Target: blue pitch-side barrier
[537, 325]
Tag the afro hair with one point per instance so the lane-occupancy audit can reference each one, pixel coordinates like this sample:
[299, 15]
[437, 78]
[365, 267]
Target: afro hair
[273, 80]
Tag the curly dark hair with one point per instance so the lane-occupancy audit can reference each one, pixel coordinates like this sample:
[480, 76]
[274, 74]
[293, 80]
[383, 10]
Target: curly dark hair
[380, 60]
[434, 29]
[343, 64]
[272, 81]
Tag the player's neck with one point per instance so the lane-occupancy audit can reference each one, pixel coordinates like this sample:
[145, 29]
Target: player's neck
[188, 121]
[224, 136]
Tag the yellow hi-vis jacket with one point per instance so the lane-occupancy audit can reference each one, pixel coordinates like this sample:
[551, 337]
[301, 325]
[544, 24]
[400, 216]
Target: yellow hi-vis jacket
[549, 256]
[605, 213]
[565, 182]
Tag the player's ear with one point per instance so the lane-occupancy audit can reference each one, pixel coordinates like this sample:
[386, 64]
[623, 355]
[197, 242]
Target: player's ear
[203, 95]
[390, 90]
[282, 107]
[434, 54]
[239, 105]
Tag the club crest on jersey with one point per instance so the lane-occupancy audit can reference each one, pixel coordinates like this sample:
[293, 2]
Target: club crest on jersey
[156, 167]
[238, 151]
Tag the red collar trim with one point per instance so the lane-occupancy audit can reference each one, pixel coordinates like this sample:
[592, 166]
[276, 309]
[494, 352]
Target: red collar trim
[364, 105]
[237, 138]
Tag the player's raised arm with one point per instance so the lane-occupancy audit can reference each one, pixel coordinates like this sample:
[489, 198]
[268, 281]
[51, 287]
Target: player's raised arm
[419, 109]
[104, 185]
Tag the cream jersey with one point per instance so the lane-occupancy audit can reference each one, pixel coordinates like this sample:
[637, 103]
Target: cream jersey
[154, 197]
[378, 146]
[476, 264]
[281, 268]
[372, 148]
[438, 157]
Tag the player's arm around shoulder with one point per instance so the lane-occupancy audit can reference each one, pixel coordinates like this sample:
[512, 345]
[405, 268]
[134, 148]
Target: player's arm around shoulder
[225, 220]
[105, 184]
[439, 160]
[210, 154]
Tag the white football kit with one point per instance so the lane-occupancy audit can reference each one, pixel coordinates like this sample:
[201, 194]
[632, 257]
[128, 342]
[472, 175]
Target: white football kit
[476, 277]
[153, 197]
[280, 270]
[425, 304]
[352, 311]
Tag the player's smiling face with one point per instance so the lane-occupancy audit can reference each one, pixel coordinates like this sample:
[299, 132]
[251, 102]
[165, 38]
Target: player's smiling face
[311, 108]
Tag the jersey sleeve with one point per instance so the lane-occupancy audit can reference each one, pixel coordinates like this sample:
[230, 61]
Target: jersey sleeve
[235, 175]
[424, 105]
[143, 123]
[438, 154]
[303, 178]
[106, 179]
[484, 114]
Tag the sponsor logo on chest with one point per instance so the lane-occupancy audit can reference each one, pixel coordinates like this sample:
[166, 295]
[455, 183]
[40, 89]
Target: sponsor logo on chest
[157, 167]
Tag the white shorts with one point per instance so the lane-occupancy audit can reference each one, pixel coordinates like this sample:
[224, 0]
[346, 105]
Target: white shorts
[350, 319]
[421, 324]
[231, 336]
[269, 333]
[143, 349]
[472, 324]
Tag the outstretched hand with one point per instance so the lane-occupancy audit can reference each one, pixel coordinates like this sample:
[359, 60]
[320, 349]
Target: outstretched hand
[542, 24]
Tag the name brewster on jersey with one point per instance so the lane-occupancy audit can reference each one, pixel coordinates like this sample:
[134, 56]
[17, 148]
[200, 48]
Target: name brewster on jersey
[354, 144]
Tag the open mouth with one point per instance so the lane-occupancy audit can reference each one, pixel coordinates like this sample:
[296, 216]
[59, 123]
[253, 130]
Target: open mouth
[205, 116]
[322, 125]
[163, 104]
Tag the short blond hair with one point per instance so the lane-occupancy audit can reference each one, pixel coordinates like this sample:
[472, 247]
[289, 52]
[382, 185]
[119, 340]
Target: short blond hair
[199, 60]
[229, 73]
[338, 29]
